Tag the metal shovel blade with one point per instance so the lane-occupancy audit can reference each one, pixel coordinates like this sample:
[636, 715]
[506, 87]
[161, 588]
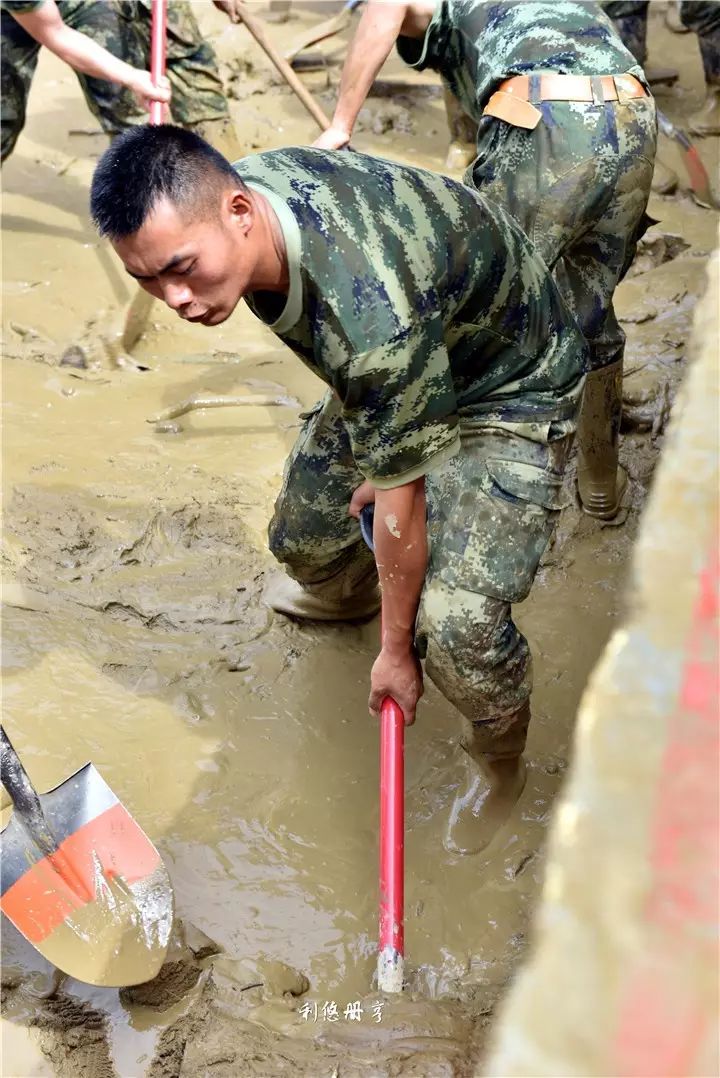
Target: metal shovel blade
[97, 901]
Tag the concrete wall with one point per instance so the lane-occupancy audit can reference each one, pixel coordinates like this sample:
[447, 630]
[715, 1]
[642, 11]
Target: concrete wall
[623, 977]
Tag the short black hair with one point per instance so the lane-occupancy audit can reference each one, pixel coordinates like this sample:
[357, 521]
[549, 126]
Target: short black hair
[150, 162]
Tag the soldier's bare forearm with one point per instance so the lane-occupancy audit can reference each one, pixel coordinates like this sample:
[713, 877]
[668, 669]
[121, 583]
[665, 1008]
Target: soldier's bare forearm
[46, 26]
[400, 538]
[376, 34]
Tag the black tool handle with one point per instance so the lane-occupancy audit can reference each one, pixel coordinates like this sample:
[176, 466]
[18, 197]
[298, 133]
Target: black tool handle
[367, 521]
[22, 793]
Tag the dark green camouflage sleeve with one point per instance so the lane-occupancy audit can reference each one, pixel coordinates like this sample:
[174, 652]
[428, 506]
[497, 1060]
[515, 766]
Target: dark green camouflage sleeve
[20, 7]
[399, 405]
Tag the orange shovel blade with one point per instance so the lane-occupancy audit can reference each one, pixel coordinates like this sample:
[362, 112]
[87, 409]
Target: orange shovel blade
[100, 907]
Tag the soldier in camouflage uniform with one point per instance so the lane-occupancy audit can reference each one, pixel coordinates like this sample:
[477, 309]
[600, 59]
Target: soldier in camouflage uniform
[568, 153]
[123, 28]
[701, 16]
[454, 372]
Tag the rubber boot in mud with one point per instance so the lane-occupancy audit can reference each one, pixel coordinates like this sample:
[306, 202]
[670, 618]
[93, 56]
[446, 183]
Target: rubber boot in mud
[350, 595]
[221, 135]
[494, 783]
[706, 121]
[601, 481]
[463, 134]
[673, 20]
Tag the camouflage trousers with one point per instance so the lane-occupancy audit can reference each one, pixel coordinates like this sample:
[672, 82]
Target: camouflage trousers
[491, 511]
[122, 27]
[701, 16]
[578, 184]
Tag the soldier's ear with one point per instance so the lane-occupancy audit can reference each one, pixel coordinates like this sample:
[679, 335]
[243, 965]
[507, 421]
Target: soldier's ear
[239, 209]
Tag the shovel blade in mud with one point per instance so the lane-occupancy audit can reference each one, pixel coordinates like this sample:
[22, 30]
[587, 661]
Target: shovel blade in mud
[82, 882]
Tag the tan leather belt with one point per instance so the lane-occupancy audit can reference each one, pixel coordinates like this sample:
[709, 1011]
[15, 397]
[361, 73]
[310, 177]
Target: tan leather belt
[511, 102]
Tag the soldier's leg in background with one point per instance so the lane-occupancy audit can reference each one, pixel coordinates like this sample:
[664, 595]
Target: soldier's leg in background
[198, 95]
[463, 134]
[630, 20]
[17, 66]
[587, 275]
[704, 18]
[332, 574]
[492, 510]
[110, 23]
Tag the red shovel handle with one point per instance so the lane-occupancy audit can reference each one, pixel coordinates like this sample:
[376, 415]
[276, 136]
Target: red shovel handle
[391, 943]
[157, 54]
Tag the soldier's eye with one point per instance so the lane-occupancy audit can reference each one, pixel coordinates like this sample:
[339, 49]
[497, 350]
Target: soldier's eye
[188, 271]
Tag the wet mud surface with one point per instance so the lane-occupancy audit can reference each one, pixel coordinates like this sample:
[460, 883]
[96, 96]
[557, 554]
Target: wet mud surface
[135, 636]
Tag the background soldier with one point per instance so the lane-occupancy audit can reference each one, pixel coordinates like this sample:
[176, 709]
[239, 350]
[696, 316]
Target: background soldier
[122, 28]
[630, 17]
[88, 37]
[575, 176]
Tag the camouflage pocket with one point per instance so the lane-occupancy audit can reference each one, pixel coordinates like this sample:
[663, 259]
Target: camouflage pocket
[494, 538]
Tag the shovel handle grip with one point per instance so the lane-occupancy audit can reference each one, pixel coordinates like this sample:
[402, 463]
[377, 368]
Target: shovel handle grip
[23, 795]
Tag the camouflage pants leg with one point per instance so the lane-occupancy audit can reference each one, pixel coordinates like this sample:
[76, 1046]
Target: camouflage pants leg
[18, 61]
[630, 18]
[198, 94]
[113, 105]
[703, 16]
[492, 509]
[578, 185]
[311, 532]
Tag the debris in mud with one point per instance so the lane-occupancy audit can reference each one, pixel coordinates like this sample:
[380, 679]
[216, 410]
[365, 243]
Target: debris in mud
[279, 979]
[74, 356]
[199, 402]
[172, 983]
[72, 1034]
[654, 249]
[180, 973]
[384, 118]
[638, 316]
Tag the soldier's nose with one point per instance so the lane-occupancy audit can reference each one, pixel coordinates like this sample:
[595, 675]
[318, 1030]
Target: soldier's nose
[177, 296]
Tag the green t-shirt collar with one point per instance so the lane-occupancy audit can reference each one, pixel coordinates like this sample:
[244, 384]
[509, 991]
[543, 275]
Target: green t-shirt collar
[290, 314]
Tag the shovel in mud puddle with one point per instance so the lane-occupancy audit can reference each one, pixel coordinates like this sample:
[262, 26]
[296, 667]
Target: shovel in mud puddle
[81, 880]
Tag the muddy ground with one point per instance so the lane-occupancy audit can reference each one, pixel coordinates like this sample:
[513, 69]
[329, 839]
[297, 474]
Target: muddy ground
[135, 635]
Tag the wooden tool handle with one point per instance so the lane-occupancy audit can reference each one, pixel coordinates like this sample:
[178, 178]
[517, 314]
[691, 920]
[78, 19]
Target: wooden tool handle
[257, 30]
[22, 793]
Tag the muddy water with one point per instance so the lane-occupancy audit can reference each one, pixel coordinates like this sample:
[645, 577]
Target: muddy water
[135, 635]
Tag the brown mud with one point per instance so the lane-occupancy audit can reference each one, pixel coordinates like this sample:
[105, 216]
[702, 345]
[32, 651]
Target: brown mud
[135, 635]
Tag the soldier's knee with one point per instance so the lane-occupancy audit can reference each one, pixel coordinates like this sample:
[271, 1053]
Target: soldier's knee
[473, 651]
[278, 543]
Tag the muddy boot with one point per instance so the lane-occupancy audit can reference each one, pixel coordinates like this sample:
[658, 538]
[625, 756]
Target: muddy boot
[463, 132]
[664, 180]
[353, 594]
[601, 482]
[673, 20]
[221, 135]
[706, 121]
[495, 781]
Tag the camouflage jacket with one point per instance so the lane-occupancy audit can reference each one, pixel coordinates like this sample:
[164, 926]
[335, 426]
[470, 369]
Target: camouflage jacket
[417, 301]
[475, 44]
